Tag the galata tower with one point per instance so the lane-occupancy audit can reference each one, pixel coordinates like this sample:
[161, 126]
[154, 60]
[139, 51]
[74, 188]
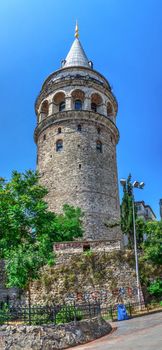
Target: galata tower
[76, 137]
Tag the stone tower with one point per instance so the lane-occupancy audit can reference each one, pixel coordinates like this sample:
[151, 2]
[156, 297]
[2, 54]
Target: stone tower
[76, 137]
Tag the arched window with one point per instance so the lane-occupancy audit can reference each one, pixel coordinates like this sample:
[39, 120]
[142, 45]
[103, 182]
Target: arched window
[59, 130]
[79, 128]
[96, 102]
[62, 106]
[59, 145]
[59, 102]
[109, 109]
[93, 107]
[78, 97]
[98, 130]
[44, 109]
[78, 105]
[99, 146]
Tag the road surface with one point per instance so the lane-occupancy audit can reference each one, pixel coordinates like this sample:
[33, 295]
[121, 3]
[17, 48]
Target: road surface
[138, 333]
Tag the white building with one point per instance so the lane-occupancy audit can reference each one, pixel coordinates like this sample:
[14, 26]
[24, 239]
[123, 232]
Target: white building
[144, 211]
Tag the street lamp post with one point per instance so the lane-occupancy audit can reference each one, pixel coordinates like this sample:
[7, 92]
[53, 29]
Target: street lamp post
[139, 185]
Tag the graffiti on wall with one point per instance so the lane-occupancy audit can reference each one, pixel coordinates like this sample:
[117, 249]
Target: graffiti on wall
[102, 295]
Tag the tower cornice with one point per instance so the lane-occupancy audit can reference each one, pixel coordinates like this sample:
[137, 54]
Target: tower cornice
[84, 115]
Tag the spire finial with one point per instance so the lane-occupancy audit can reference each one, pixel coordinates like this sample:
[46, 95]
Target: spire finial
[76, 30]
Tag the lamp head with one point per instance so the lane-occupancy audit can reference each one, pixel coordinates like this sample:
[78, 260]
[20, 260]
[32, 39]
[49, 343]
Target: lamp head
[141, 185]
[136, 184]
[123, 182]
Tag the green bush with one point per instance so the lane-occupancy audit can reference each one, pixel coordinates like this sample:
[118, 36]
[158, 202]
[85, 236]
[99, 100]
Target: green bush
[40, 319]
[155, 288]
[68, 314]
[4, 314]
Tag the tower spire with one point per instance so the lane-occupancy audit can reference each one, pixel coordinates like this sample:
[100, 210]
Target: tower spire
[76, 55]
[76, 30]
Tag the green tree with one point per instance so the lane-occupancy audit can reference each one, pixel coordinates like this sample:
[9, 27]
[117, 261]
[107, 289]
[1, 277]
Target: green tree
[155, 288]
[151, 258]
[140, 231]
[152, 247]
[28, 229]
[127, 211]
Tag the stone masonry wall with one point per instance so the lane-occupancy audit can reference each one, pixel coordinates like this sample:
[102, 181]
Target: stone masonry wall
[52, 337]
[88, 277]
[81, 176]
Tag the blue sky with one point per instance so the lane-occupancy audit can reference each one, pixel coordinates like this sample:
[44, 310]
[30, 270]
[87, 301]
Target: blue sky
[123, 39]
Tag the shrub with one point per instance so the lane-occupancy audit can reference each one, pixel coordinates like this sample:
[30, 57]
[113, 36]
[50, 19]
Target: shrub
[68, 314]
[40, 319]
[155, 288]
[4, 314]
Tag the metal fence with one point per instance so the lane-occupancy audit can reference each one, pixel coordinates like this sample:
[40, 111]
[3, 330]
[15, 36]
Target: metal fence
[37, 315]
[133, 309]
[59, 314]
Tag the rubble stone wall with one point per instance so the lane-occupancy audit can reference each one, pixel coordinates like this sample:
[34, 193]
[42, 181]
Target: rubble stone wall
[52, 337]
[107, 277]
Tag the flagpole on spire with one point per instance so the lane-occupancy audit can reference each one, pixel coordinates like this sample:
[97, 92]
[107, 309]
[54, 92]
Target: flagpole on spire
[76, 30]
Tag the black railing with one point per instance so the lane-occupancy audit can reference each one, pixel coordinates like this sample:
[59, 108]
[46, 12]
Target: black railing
[59, 314]
[38, 315]
[133, 309]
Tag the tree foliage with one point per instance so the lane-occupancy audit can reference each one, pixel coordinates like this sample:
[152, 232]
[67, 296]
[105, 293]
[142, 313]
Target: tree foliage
[28, 229]
[155, 288]
[140, 231]
[151, 258]
[152, 247]
[127, 216]
[127, 211]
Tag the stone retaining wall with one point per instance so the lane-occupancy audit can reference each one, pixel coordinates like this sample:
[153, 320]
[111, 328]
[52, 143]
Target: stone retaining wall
[106, 277]
[52, 337]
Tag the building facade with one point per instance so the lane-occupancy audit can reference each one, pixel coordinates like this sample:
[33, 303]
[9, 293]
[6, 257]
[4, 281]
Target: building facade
[144, 211]
[76, 137]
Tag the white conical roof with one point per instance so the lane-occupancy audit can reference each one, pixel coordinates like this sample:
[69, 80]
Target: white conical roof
[76, 55]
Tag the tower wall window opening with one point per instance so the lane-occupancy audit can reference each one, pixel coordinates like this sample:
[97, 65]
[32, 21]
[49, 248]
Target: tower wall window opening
[59, 130]
[98, 130]
[62, 106]
[44, 109]
[59, 102]
[44, 137]
[86, 247]
[79, 128]
[78, 105]
[59, 145]
[78, 97]
[93, 107]
[99, 146]
[109, 109]
[96, 102]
